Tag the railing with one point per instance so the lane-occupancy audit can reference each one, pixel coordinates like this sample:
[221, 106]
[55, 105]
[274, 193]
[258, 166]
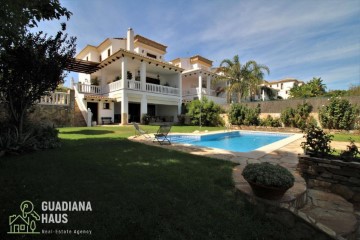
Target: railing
[81, 105]
[195, 91]
[85, 88]
[131, 84]
[56, 98]
[161, 89]
[114, 86]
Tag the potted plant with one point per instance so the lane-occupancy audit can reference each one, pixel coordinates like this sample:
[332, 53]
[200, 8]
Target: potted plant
[267, 180]
[146, 119]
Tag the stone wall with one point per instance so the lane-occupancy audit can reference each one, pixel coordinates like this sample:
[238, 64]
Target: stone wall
[53, 115]
[339, 177]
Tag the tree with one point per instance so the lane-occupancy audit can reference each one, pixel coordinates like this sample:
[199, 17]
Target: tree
[313, 88]
[242, 79]
[354, 90]
[31, 64]
[256, 76]
[17, 15]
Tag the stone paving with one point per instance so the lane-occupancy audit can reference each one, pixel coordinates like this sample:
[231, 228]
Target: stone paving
[329, 212]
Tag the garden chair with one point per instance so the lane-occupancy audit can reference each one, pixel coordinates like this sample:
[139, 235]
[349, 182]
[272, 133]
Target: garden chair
[140, 132]
[161, 135]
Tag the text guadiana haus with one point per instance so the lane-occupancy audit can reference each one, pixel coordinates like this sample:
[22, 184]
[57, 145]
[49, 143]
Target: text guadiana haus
[55, 212]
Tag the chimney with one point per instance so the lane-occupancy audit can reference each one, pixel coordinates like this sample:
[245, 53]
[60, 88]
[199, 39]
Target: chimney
[130, 40]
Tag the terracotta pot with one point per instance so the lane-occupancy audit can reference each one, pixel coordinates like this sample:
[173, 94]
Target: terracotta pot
[271, 193]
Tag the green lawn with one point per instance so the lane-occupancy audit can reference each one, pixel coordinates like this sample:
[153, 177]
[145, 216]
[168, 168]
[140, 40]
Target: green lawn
[344, 137]
[136, 191]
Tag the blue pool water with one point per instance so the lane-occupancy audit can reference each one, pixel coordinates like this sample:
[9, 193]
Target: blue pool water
[233, 141]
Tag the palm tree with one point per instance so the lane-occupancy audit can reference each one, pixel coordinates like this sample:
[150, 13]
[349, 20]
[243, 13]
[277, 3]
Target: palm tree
[256, 76]
[241, 79]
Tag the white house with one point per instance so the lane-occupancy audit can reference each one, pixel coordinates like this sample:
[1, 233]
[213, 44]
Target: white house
[197, 80]
[283, 86]
[122, 79]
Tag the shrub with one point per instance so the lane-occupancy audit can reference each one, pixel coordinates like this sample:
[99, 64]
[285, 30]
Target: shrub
[33, 138]
[242, 115]
[269, 121]
[145, 119]
[181, 119]
[339, 114]
[205, 111]
[317, 142]
[298, 117]
[269, 175]
[46, 137]
[351, 151]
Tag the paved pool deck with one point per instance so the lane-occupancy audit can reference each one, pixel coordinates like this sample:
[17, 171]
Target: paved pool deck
[284, 152]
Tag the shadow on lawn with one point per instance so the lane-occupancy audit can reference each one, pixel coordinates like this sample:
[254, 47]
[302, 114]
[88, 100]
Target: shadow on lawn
[90, 132]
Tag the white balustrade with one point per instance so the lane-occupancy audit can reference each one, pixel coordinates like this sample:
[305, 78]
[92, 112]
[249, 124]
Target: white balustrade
[114, 86]
[85, 88]
[161, 89]
[84, 111]
[131, 84]
[56, 98]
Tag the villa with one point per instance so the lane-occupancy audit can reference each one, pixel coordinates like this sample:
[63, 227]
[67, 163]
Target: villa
[122, 79]
[282, 87]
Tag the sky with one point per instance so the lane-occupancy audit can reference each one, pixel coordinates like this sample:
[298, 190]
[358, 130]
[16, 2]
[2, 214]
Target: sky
[297, 39]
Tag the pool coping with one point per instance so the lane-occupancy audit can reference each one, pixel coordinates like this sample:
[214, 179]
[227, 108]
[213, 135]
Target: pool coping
[255, 154]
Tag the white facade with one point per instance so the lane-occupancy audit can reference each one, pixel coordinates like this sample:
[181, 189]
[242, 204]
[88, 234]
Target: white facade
[283, 86]
[132, 81]
[197, 80]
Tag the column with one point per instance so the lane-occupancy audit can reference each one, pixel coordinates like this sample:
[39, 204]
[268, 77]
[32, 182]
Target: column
[143, 76]
[124, 99]
[143, 106]
[124, 109]
[208, 83]
[200, 87]
[179, 76]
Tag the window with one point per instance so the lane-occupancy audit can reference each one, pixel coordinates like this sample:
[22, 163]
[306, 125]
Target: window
[100, 58]
[106, 105]
[109, 52]
[151, 55]
[87, 58]
[282, 86]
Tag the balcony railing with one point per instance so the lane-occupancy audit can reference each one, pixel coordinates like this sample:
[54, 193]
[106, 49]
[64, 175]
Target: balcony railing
[129, 84]
[114, 86]
[85, 88]
[56, 98]
[161, 89]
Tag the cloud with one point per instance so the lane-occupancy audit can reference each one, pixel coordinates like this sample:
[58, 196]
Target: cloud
[294, 38]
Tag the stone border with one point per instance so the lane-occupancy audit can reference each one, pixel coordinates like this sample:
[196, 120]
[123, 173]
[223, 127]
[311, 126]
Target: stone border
[342, 178]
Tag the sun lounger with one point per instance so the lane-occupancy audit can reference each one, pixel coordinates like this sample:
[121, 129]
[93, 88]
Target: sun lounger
[140, 132]
[161, 135]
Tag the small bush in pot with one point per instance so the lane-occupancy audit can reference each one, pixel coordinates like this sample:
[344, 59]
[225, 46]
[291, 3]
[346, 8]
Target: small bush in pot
[268, 180]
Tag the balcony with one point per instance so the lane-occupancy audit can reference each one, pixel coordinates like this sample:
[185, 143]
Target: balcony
[130, 85]
[196, 91]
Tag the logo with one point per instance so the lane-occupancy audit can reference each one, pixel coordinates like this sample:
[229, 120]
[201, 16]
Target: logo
[26, 222]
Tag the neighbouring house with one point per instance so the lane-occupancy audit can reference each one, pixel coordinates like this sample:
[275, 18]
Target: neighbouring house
[198, 80]
[122, 79]
[283, 86]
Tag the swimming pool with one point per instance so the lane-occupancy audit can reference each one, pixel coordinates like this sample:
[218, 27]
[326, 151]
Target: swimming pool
[237, 141]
